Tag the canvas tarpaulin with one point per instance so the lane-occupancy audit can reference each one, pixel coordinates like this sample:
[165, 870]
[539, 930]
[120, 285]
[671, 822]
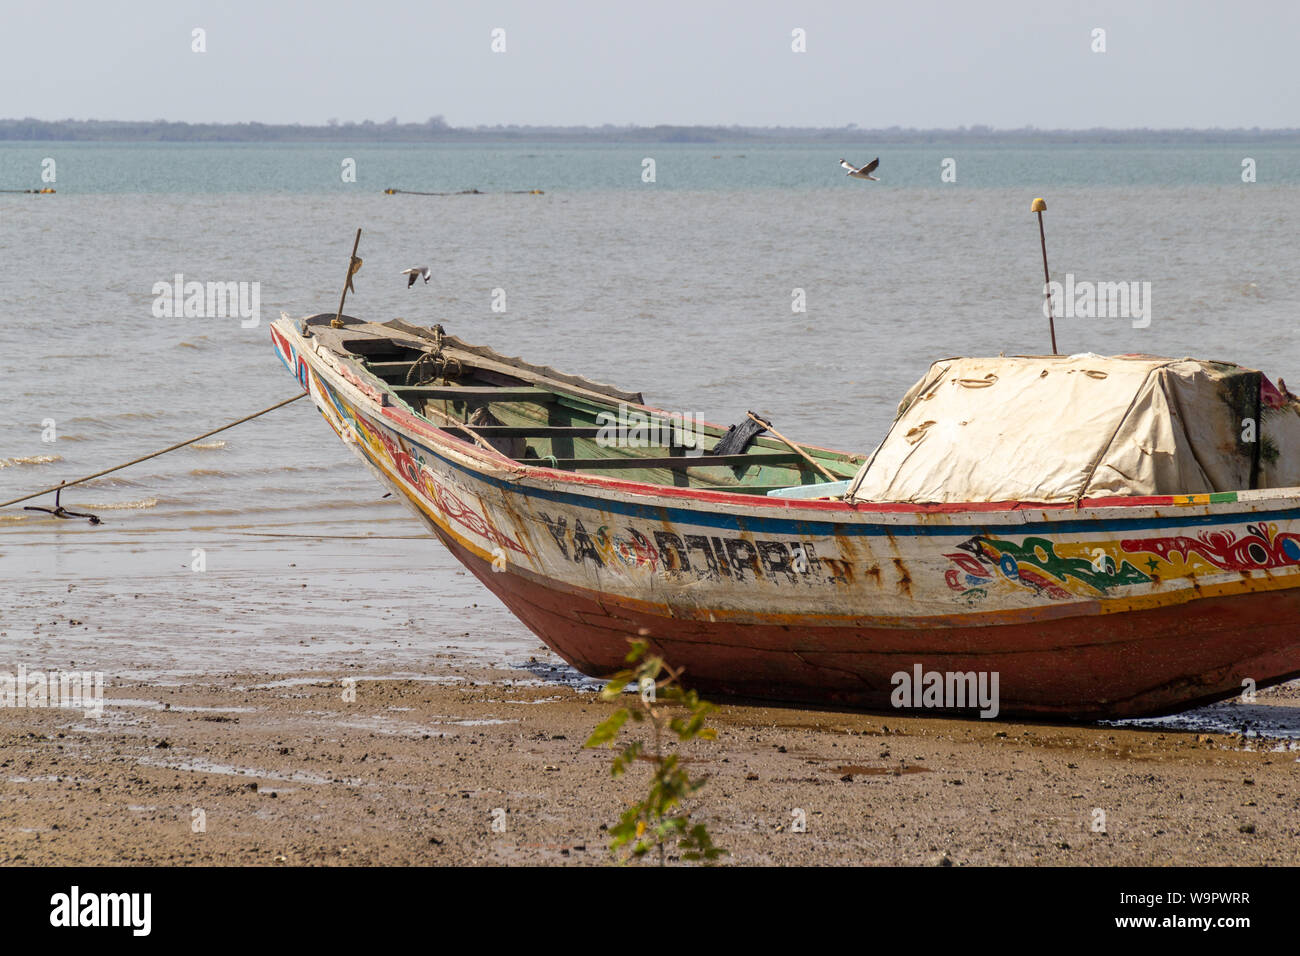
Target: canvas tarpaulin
[1061, 428]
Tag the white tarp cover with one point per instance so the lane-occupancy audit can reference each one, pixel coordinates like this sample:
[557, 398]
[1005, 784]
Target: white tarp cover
[1060, 428]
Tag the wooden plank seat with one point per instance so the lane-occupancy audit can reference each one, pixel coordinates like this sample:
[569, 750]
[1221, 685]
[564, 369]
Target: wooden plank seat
[476, 394]
[676, 462]
[529, 431]
[380, 368]
[546, 431]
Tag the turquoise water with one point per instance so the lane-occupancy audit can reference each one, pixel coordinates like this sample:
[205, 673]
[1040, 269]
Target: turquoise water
[288, 168]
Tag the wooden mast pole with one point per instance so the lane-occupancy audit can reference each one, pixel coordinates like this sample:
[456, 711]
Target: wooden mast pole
[347, 282]
[1038, 207]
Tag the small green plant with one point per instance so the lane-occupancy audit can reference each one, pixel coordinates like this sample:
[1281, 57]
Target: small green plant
[658, 821]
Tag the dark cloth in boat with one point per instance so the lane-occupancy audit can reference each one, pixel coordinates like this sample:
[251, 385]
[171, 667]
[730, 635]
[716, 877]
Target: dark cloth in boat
[738, 438]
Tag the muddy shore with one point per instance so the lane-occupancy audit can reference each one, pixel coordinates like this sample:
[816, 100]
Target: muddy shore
[282, 769]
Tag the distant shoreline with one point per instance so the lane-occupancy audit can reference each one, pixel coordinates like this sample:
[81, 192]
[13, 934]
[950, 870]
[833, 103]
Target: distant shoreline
[437, 131]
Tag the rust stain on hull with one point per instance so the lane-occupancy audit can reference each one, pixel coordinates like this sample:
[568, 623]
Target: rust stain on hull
[904, 578]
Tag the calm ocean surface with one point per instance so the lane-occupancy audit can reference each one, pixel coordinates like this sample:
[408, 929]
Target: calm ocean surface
[680, 288]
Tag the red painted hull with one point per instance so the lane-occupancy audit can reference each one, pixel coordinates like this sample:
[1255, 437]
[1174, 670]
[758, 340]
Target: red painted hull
[1080, 668]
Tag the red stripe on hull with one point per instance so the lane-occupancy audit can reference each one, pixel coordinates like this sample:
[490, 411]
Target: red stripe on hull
[1091, 667]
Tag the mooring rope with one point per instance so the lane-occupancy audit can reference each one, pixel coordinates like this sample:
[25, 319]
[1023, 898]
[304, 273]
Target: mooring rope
[136, 461]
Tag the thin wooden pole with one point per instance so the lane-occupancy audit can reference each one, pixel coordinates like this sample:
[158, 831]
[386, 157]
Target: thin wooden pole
[793, 447]
[1038, 207]
[347, 282]
[463, 426]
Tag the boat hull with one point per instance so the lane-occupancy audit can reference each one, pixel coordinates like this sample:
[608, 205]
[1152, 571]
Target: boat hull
[1059, 669]
[1115, 609]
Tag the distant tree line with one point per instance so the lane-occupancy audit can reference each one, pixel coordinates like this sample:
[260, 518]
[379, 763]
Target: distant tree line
[437, 130]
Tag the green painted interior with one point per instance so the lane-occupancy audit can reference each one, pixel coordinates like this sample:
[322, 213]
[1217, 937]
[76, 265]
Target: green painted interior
[563, 408]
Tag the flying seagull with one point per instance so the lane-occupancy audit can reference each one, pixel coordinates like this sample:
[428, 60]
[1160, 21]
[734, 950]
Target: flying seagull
[414, 273]
[862, 172]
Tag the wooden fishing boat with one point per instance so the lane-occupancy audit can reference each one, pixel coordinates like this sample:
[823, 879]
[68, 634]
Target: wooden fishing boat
[749, 571]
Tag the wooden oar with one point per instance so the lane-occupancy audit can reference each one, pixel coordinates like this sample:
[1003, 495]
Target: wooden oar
[463, 426]
[793, 447]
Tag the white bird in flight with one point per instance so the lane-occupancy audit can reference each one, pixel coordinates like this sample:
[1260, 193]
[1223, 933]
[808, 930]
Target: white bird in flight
[862, 172]
[414, 273]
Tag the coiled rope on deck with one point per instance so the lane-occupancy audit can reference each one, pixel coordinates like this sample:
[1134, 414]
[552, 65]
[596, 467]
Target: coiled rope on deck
[433, 365]
[163, 451]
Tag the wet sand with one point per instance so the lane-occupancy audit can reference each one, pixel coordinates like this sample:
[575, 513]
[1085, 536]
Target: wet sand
[415, 770]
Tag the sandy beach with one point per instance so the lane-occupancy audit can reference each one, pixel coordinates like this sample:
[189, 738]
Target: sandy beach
[282, 769]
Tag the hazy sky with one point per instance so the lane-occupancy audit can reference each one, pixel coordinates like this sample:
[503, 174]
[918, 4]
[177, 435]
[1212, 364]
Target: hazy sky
[917, 64]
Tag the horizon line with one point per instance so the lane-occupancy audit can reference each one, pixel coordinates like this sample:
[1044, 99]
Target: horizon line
[438, 123]
[437, 130]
